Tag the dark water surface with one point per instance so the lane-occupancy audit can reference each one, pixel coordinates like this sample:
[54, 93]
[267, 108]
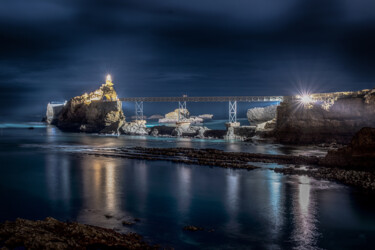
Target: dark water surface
[44, 172]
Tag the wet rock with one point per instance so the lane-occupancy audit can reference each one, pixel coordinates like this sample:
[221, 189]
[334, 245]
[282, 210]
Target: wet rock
[162, 130]
[361, 179]
[53, 234]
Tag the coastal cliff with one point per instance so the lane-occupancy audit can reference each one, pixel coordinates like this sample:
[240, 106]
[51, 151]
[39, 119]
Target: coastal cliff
[88, 112]
[327, 118]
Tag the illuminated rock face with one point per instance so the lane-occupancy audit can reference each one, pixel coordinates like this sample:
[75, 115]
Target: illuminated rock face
[87, 113]
[260, 115]
[334, 119]
[174, 115]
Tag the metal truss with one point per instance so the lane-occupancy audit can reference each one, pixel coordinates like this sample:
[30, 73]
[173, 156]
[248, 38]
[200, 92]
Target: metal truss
[232, 111]
[139, 110]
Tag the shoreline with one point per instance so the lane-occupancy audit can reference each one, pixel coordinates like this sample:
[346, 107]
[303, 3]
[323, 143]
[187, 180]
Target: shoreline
[206, 157]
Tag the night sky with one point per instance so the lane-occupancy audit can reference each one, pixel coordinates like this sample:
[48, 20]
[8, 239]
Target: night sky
[56, 49]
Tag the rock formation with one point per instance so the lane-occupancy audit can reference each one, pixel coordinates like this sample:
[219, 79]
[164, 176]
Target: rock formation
[155, 117]
[360, 152]
[183, 113]
[327, 118]
[206, 116]
[260, 115]
[53, 112]
[135, 128]
[96, 112]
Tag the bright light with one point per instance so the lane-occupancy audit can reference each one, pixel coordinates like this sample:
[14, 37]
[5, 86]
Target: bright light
[109, 78]
[306, 99]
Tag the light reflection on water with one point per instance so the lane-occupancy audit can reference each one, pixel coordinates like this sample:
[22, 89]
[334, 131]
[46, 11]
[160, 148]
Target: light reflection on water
[258, 208]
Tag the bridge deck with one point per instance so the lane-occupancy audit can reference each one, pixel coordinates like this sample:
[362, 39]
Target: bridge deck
[204, 99]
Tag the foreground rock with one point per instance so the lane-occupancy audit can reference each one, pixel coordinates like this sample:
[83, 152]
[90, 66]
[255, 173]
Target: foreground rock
[261, 115]
[88, 112]
[53, 234]
[325, 118]
[360, 153]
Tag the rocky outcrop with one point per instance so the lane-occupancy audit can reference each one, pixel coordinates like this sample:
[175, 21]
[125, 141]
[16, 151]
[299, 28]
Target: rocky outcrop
[359, 153]
[155, 117]
[206, 116]
[162, 131]
[53, 112]
[135, 128]
[53, 234]
[325, 118]
[177, 113]
[242, 133]
[190, 131]
[91, 113]
[260, 115]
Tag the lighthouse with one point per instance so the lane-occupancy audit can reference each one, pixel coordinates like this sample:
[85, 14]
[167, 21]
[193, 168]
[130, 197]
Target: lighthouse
[109, 80]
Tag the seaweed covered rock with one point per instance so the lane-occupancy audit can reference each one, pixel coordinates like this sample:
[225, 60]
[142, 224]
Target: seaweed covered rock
[96, 112]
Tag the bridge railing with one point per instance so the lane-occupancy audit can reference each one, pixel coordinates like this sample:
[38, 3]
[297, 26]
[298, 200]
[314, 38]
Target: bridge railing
[204, 99]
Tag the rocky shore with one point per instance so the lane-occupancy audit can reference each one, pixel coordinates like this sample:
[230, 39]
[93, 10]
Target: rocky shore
[352, 164]
[53, 234]
[357, 178]
[208, 157]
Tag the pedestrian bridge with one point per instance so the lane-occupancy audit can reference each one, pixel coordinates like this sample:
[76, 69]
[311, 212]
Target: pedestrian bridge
[232, 101]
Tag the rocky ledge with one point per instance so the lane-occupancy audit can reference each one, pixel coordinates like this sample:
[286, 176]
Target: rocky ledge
[53, 234]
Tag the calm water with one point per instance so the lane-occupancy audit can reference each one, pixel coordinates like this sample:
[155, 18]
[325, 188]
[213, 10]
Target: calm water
[44, 173]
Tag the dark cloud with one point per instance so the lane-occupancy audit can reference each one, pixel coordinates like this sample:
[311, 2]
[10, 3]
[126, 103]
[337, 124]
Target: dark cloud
[52, 50]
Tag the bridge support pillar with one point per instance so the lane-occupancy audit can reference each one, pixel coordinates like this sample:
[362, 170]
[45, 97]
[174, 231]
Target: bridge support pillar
[139, 110]
[232, 111]
[181, 107]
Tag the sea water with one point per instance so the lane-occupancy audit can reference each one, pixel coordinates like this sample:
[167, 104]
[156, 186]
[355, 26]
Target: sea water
[44, 172]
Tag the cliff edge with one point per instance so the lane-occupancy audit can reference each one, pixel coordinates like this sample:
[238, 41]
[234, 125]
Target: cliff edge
[324, 118]
[89, 113]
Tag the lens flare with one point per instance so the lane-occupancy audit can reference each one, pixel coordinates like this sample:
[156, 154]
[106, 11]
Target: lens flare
[306, 99]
